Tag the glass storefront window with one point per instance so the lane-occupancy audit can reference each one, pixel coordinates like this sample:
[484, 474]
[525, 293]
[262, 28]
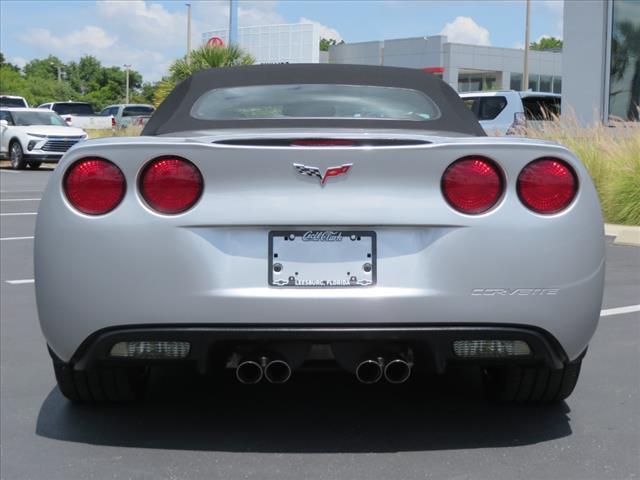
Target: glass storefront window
[533, 83]
[516, 81]
[624, 84]
[545, 83]
[557, 85]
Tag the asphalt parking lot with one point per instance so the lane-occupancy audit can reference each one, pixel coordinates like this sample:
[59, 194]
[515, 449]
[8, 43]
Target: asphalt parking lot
[327, 427]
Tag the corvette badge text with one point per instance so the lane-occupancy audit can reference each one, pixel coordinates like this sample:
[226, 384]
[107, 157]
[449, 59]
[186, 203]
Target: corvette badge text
[511, 292]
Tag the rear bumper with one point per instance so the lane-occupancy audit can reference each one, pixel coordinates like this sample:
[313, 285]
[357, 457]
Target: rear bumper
[432, 343]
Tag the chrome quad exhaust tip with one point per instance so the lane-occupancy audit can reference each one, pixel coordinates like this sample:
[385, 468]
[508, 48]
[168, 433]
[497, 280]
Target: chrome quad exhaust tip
[277, 371]
[370, 370]
[397, 370]
[249, 372]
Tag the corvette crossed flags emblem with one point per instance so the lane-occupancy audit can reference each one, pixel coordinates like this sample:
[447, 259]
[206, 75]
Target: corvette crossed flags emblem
[315, 172]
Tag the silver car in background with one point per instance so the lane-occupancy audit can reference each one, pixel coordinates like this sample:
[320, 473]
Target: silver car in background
[276, 214]
[128, 114]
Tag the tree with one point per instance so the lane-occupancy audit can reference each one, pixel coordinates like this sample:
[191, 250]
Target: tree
[326, 43]
[43, 68]
[552, 44]
[4, 63]
[207, 56]
[85, 80]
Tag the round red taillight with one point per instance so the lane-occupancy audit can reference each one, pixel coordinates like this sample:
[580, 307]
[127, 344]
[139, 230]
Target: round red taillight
[472, 185]
[94, 186]
[547, 185]
[171, 185]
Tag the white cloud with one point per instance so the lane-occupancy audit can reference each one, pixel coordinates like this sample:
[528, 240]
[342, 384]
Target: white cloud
[149, 24]
[554, 6]
[325, 31]
[19, 61]
[215, 15]
[518, 45]
[90, 38]
[466, 30]
[554, 13]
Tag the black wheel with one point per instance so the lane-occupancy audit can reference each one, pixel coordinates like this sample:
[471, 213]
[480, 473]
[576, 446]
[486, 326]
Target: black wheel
[101, 385]
[16, 156]
[35, 165]
[517, 384]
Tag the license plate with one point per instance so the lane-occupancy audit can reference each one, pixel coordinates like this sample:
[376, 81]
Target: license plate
[322, 258]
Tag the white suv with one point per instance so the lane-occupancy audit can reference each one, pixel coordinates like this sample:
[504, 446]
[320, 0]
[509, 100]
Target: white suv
[503, 112]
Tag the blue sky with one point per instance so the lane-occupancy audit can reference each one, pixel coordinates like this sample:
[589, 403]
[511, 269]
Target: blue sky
[150, 34]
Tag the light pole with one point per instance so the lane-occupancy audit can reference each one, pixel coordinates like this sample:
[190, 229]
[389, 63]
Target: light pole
[525, 72]
[233, 22]
[59, 68]
[188, 30]
[127, 67]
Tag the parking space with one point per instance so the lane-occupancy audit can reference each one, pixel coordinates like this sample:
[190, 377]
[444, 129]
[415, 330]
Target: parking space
[325, 427]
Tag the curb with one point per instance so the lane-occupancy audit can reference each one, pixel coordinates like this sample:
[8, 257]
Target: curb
[625, 234]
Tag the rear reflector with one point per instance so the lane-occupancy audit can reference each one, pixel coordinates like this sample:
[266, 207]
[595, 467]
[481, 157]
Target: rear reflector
[151, 349]
[547, 185]
[472, 185]
[94, 186]
[171, 184]
[491, 348]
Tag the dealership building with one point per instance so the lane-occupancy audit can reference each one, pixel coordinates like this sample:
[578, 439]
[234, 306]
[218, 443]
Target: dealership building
[464, 67]
[287, 43]
[601, 59]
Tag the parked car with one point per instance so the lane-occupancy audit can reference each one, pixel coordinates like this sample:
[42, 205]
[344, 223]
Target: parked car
[30, 136]
[351, 213]
[80, 114]
[506, 112]
[13, 101]
[130, 114]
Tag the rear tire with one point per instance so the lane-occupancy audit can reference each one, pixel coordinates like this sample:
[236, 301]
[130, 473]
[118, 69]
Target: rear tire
[100, 385]
[516, 384]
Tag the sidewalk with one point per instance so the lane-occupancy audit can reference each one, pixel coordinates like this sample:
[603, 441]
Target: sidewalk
[625, 234]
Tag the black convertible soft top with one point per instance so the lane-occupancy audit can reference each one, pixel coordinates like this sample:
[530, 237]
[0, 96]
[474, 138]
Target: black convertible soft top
[174, 114]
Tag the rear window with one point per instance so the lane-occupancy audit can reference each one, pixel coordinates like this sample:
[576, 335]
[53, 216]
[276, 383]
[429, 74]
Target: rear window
[73, 109]
[37, 118]
[314, 101]
[485, 108]
[12, 102]
[135, 111]
[541, 108]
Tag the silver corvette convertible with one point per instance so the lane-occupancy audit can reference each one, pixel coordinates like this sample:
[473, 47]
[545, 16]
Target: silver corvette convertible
[275, 217]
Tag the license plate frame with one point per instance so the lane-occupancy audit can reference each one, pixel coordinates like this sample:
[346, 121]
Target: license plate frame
[355, 275]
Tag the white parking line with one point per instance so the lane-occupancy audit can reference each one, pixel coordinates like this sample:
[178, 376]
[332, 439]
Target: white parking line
[15, 238]
[17, 214]
[620, 310]
[20, 282]
[19, 200]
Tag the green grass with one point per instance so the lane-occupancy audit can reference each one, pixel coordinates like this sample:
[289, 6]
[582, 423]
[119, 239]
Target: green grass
[124, 132]
[612, 156]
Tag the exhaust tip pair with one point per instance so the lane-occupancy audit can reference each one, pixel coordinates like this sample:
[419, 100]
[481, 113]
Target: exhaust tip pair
[371, 371]
[251, 372]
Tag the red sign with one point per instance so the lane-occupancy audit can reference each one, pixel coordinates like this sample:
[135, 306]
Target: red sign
[215, 42]
[433, 69]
